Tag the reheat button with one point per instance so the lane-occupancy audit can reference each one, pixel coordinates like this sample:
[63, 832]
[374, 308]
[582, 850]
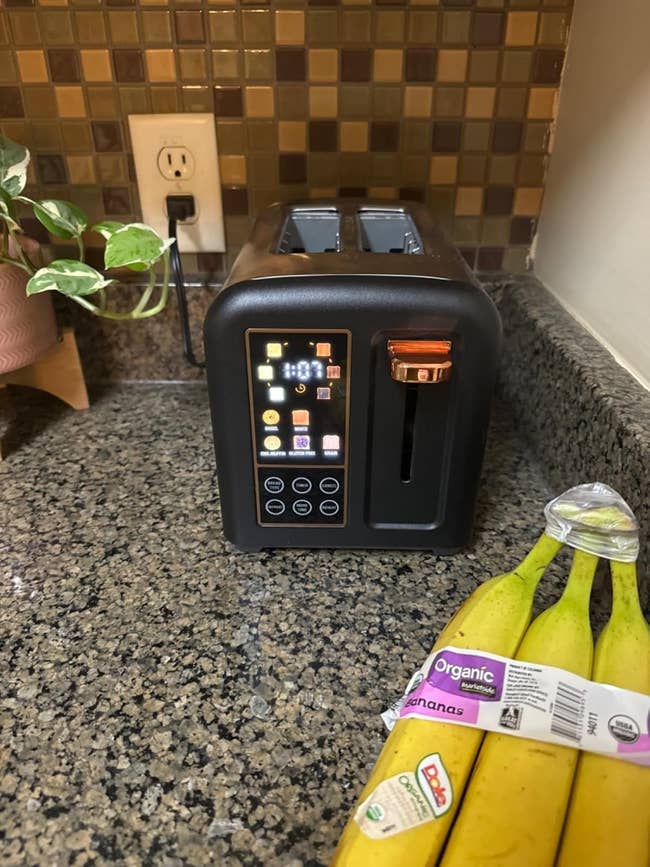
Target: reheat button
[329, 508]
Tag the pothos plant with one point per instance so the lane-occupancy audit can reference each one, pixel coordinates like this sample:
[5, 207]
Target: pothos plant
[133, 246]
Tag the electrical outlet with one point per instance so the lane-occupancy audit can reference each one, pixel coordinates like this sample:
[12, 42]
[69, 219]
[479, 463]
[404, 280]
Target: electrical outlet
[176, 154]
[176, 163]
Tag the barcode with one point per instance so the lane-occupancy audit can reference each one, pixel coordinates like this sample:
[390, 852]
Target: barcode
[567, 712]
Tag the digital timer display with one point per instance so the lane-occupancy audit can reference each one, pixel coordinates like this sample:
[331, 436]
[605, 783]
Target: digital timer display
[302, 370]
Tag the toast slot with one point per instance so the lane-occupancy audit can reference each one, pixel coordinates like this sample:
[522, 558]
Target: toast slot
[311, 230]
[410, 409]
[388, 230]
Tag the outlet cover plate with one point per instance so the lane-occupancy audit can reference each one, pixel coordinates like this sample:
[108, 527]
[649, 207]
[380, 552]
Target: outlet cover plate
[150, 134]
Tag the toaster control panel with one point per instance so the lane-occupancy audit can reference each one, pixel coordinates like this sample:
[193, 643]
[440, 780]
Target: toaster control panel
[299, 403]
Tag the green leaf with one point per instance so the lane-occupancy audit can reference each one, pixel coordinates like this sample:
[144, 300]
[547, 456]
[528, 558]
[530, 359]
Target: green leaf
[135, 246]
[14, 159]
[107, 228]
[7, 211]
[68, 277]
[62, 219]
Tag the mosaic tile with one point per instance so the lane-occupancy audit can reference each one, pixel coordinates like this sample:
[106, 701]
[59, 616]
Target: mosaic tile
[189, 27]
[91, 27]
[64, 65]
[192, 65]
[46, 135]
[128, 64]
[32, 66]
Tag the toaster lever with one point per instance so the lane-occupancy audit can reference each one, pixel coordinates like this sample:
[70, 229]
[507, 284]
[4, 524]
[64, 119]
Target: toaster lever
[420, 361]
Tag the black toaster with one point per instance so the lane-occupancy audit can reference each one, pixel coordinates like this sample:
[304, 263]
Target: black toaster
[350, 361]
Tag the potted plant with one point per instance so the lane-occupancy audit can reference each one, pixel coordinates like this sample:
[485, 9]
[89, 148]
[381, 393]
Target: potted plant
[27, 324]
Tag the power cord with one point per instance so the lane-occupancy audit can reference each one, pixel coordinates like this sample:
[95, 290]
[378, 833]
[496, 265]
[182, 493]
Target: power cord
[180, 208]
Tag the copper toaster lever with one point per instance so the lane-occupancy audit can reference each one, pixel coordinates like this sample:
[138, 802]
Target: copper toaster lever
[420, 361]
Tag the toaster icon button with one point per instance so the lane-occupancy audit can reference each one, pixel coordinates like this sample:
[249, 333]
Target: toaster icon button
[301, 485]
[329, 508]
[300, 417]
[323, 350]
[272, 443]
[273, 485]
[274, 350]
[302, 507]
[274, 507]
[277, 394]
[329, 485]
[331, 442]
[270, 416]
[265, 372]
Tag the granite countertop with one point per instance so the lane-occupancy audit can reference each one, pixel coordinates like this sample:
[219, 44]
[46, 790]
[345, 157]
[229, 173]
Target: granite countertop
[169, 700]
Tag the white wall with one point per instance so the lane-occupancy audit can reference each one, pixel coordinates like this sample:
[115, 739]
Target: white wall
[593, 242]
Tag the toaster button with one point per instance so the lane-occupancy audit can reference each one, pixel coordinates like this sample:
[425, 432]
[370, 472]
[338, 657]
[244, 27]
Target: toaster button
[273, 485]
[301, 485]
[275, 507]
[329, 485]
[272, 443]
[302, 507]
[270, 416]
[329, 508]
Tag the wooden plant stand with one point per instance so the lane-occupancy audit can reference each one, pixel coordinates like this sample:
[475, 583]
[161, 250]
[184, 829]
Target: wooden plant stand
[59, 373]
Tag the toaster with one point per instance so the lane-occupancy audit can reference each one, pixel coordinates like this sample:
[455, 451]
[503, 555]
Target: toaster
[350, 360]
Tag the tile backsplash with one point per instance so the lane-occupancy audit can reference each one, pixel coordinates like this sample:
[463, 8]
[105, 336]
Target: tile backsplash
[449, 103]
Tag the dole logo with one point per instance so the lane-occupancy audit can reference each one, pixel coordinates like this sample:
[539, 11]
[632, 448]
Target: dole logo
[435, 784]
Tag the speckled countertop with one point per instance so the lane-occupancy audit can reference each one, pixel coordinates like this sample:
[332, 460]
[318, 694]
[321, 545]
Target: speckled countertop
[167, 700]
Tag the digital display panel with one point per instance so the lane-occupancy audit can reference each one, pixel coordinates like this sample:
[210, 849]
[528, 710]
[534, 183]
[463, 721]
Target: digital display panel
[299, 394]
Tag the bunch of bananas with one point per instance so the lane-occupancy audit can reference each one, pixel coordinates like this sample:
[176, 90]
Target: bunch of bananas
[521, 805]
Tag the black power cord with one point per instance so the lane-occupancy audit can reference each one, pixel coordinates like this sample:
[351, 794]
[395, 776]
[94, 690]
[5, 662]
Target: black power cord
[180, 208]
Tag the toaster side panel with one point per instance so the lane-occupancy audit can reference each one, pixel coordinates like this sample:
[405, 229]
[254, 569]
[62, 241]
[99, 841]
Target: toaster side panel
[408, 442]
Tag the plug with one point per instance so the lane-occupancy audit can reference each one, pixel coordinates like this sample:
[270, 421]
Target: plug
[180, 208]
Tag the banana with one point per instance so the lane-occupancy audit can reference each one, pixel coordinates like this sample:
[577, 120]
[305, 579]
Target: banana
[516, 800]
[609, 812]
[492, 619]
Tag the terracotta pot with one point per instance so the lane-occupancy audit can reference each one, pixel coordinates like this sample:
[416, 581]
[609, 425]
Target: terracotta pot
[27, 325]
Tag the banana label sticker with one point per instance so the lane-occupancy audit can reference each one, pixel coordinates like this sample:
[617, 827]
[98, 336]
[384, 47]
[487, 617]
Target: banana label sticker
[541, 702]
[406, 800]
